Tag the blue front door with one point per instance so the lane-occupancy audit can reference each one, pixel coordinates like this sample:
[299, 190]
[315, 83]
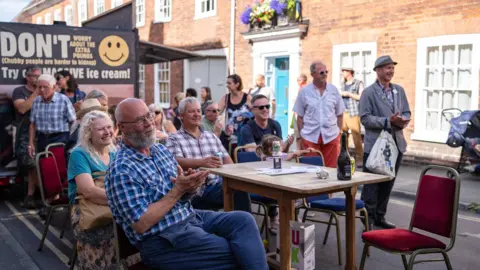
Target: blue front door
[281, 93]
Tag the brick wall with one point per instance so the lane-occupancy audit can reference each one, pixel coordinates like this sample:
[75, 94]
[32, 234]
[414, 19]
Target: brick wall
[394, 25]
[183, 31]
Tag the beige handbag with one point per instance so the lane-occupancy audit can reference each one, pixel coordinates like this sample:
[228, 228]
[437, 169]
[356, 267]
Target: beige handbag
[94, 215]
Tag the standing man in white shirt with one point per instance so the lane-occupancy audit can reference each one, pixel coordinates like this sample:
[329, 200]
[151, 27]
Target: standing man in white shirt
[320, 108]
[261, 89]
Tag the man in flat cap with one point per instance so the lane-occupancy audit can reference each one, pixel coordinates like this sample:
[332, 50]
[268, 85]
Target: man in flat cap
[383, 105]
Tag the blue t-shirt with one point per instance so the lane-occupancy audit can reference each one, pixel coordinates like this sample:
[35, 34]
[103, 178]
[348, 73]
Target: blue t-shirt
[81, 161]
[255, 135]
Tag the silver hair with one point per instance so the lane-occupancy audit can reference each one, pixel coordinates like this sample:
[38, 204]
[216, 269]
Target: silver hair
[96, 94]
[313, 66]
[183, 104]
[48, 78]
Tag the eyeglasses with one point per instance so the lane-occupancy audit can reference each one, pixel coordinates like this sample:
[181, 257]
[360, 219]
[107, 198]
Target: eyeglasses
[157, 113]
[140, 120]
[214, 110]
[261, 107]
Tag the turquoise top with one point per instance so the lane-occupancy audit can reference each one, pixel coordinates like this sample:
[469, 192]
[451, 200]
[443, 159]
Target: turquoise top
[81, 161]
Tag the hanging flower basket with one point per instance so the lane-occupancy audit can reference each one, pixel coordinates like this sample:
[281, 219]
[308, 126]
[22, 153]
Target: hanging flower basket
[264, 13]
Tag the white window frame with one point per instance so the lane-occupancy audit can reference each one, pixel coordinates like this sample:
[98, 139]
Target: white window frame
[68, 15]
[350, 47]
[116, 3]
[82, 3]
[198, 9]
[39, 20]
[48, 18]
[421, 132]
[140, 17]
[157, 68]
[98, 7]
[162, 5]
[57, 15]
[141, 81]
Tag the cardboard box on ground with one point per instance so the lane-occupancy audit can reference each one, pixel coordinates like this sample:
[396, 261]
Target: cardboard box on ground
[302, 245]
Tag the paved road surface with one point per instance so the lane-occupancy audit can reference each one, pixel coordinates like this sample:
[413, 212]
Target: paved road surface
[21, 230]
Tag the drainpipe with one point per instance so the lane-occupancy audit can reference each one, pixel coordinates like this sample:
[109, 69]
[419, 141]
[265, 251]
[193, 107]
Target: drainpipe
[233, 4]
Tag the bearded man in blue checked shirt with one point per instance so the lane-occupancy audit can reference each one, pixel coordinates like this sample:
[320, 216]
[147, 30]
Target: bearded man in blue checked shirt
[148, 194]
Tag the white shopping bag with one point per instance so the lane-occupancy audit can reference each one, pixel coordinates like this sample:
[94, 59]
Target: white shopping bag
[302, 245]
[383, 156]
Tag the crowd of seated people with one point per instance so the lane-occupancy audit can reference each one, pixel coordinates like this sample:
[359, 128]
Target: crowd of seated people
[143, 163]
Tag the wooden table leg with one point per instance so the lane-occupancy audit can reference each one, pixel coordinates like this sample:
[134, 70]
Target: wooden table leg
[227, 196]
[286, 212]
[350, 229]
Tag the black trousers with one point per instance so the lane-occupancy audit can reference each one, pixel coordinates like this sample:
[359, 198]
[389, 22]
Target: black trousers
[43, 139]
[376, 196]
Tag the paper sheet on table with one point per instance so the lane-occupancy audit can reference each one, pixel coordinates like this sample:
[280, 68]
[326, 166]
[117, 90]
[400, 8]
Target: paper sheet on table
[290, 170]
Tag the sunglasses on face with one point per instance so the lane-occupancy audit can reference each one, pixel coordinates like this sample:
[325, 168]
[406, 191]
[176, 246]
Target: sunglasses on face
[323, 72]
[157, 113]
[261, 107]
[214, 110]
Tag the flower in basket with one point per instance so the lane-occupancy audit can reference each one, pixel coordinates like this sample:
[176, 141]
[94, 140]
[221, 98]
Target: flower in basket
[278, 6]
[245, 18]
[262, 12]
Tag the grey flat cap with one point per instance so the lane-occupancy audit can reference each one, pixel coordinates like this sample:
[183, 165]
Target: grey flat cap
[383, 60]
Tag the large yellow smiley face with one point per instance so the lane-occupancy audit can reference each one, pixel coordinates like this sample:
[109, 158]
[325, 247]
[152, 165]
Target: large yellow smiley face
[113, 51]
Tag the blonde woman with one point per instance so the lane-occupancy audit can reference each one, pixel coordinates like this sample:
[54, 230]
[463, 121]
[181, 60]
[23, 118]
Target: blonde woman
[93, 154]
[162, 125]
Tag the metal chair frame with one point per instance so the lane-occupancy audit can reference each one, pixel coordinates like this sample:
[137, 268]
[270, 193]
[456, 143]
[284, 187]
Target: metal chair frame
[333, 215]
[265, 223]
[53, 145]
[413, 254]
[44, 200]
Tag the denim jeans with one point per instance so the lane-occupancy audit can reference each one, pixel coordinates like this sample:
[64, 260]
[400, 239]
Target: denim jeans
[213, 198]
[209, 240]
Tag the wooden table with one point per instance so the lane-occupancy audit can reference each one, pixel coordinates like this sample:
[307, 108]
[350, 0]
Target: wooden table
[286, 188]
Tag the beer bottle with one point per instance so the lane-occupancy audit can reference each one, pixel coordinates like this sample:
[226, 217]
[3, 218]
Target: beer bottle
[344, 163]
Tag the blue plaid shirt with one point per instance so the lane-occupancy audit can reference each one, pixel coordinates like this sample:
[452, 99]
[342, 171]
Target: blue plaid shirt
[134, 181]
[54, 116]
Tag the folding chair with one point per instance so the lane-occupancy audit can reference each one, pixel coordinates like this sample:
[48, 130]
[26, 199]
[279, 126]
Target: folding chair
[335, 207]
[124, 249]
[58, 150]
[435, 211]
[242, 157]
[51, 187]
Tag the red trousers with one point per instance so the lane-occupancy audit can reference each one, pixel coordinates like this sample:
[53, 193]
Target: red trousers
[330, 150]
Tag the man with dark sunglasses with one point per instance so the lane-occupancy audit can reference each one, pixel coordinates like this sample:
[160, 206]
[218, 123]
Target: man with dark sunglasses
[320, 108]
[253, 132]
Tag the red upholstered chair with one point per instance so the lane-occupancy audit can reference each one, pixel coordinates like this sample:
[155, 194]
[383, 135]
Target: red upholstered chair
[58, 150]
[51, 189]
[435, 211]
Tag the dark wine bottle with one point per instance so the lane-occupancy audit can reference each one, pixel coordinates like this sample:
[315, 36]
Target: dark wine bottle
[344, 163]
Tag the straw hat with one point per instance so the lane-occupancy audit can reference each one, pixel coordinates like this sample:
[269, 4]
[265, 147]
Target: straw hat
[88, 105]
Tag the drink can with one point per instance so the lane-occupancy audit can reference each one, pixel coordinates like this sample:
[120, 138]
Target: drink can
[220, 156]
[353, 165]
